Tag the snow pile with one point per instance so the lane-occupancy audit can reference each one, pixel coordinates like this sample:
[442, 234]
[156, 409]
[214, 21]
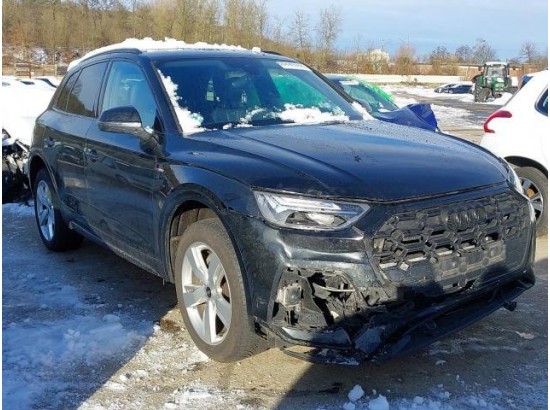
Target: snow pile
[189, 122]
[356, 393]
[148, 44]
[199, 396]
[16, 209]
[313, 115]
[21, 105]
[379, 403]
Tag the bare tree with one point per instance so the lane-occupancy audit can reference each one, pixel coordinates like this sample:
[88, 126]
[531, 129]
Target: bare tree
[463, 54]
[405, 59]
[529, 52]
[483, 52]
[330, 25]
[300, 34]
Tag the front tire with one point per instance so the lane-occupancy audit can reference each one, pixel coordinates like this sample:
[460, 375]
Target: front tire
[535, 187]
[53, 230]
[211, 294]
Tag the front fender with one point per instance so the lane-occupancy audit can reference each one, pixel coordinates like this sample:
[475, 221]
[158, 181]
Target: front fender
[224, 196]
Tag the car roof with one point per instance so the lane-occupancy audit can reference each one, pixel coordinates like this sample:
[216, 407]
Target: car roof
[172, 48]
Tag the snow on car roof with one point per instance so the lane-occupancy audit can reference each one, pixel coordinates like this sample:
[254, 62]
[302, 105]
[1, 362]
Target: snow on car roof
[148, 44]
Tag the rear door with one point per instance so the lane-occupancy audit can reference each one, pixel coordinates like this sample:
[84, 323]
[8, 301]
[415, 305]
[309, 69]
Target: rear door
[121, 177]
[68, 122]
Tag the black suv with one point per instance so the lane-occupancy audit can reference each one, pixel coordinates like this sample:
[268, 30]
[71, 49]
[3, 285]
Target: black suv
[282, 217]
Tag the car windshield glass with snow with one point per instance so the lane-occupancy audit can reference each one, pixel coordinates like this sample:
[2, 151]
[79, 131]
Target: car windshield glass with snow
[223, 92]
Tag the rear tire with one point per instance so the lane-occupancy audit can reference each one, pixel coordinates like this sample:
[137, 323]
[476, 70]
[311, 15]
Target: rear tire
[53, 230]
[211, 294]
[481, 94]
[535, 186]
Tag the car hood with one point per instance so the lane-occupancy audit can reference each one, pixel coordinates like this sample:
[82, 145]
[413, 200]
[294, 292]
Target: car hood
[369, 160]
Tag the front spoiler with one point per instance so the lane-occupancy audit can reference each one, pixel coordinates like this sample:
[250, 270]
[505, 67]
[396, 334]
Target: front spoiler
[378, 343]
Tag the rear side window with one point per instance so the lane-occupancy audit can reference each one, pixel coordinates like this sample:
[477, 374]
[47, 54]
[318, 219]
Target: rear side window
[542, 103]
[83, 96]
[61, 103]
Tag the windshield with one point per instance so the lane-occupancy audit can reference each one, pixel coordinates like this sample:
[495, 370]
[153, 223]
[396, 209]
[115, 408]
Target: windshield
[222, 92]
[495, 71]
[364, 94]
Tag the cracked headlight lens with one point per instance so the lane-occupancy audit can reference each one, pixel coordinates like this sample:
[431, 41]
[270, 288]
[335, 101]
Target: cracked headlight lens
[308, 213]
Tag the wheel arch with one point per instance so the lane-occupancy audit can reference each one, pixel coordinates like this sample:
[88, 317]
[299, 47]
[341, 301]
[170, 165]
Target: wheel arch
[526, 162]
[35, 164]
[187, 204]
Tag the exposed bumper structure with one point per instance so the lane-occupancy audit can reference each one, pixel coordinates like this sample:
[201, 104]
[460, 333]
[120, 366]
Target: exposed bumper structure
[404, 277]
[392, 337]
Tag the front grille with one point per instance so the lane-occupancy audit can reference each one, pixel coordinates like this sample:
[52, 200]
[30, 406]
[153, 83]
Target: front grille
[452, 240]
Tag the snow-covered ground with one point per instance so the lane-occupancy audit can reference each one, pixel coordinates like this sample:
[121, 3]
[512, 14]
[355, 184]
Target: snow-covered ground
[448, 117]
[87, 330]
[430, 93]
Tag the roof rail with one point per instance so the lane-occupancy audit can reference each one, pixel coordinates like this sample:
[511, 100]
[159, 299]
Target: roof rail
[272, 52]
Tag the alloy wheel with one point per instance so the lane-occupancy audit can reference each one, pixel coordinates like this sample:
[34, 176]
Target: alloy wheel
[535, 196]
[45, 212]
[206, 293]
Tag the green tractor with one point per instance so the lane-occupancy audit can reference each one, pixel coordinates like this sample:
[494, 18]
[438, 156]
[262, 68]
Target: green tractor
[493, 80]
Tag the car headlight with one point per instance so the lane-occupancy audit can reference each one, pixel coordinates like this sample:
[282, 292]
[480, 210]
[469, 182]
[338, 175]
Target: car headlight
[514, 180]
[308, 213]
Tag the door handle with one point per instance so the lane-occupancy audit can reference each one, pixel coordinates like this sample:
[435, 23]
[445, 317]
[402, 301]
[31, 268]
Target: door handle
[91, 155]
[49, 142]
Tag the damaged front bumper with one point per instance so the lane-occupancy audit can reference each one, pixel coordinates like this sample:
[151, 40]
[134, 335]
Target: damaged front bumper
[402, 277]
[387, 337]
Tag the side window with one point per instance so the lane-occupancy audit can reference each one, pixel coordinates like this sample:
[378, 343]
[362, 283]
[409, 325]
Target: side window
[542, 103]
[127, 85]
[84, 94]
[61, 103]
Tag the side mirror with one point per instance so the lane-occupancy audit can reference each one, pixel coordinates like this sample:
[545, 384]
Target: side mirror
[120, 119]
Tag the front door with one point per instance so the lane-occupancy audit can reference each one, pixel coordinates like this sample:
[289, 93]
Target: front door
[121, 177]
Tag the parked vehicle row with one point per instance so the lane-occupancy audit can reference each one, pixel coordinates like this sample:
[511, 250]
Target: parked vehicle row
[282, 217]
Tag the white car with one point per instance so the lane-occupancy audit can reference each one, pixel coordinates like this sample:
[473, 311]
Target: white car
[20, 106]
[518, 132]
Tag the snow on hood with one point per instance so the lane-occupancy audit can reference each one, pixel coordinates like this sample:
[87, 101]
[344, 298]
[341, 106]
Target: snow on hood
[148, 44]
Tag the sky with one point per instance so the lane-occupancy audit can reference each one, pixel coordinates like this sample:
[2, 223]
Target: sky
[426, 24]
